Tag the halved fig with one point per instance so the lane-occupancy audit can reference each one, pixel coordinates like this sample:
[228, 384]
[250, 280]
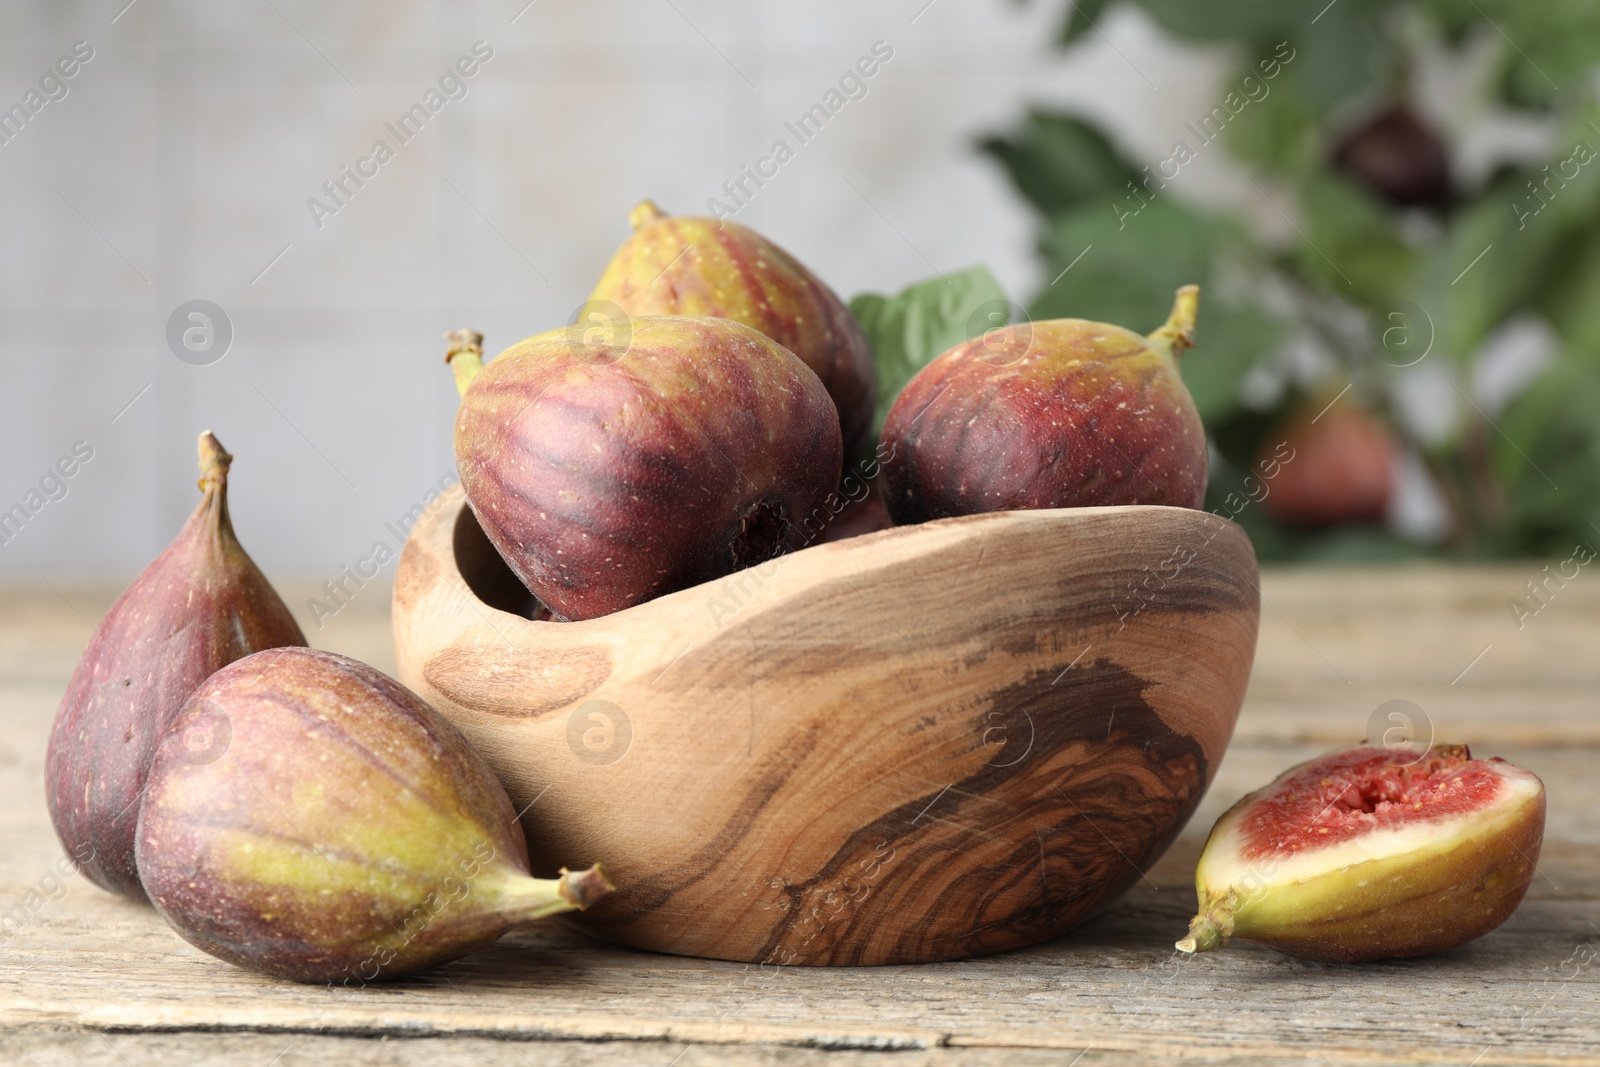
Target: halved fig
[1372, 853]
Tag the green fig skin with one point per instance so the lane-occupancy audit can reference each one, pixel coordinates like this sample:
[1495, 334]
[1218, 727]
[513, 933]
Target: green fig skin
[1054, 414]
[606, 476]
[1447, 879]
[197, 607]
[695, 265]
[310, 818]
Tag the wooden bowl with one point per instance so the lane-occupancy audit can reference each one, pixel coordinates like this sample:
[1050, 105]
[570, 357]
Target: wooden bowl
[926, 743]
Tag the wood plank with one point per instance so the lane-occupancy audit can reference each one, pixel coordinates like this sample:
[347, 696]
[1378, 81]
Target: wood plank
[1336, 644]
[51, 1048]
[79, 961]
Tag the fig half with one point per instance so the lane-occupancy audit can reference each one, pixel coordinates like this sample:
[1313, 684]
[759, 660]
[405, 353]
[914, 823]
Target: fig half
[1372, 853]
[198, 606]
[311, 818]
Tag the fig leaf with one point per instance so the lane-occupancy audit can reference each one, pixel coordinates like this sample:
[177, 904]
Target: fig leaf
[925, 319]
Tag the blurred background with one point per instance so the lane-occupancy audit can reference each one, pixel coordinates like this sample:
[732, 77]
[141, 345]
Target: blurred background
[1393, 209]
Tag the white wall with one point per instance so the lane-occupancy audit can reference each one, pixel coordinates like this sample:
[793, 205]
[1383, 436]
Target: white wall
[189, 145]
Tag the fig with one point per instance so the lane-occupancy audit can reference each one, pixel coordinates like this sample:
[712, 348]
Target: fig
[1344, 468]
[1056, 414]
[610, 472]
[199, 606]
[691, 265]
[1397, 156]
[1372, 853]
[310, 818]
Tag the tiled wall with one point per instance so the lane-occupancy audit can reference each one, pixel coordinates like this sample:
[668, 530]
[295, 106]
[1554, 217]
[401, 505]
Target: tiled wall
[179, 163]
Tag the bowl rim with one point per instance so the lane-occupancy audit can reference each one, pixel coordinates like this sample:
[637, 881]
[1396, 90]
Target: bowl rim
[443, 516]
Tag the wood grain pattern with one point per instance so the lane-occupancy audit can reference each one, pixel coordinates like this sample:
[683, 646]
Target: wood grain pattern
[88, 980]
[923, 744]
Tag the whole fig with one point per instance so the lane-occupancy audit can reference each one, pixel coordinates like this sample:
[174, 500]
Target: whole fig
[1372, 853]
[1344, 470]
[310, 818]
[1056, 414]
[199, 606]
[1397, 156]
[610, 472]
[689, 265]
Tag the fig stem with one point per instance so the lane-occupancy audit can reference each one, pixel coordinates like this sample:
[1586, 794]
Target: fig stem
[585, 887]
[1177, 334]
[465, 356]
[214, 463]
[644, 213]
[1204, 935]
[526, 899]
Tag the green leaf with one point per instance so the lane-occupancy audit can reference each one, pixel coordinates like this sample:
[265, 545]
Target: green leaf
[1569, 300]
[1556, 42]
[1226, 20]
[1120, 261]
[1057, 161]
[1546, 452]
[1350, 242]
[1508, 249]
[1348, 52]
[1278, 131]
[1471, 277]
[1229, 341]
[907, 330]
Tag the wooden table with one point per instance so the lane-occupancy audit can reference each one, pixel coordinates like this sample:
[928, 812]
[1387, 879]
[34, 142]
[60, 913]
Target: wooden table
[89, 979]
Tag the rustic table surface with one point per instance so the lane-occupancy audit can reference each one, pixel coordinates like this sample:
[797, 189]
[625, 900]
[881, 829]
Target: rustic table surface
[89, 979]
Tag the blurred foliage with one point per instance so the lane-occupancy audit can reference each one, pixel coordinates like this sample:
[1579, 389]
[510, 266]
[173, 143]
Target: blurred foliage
[1376, 290]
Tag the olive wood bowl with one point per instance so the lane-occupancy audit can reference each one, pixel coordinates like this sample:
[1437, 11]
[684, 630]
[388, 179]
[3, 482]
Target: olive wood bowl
[925, 743]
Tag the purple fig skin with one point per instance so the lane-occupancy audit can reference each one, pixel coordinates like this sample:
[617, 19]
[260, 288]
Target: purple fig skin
[331, 827]
[199, 606]
[608, 475]
[1397, 156]
[1057, 414]
[695, 265]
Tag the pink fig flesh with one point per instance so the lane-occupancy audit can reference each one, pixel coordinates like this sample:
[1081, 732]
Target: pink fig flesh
[1372, 853]
[199, 606]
